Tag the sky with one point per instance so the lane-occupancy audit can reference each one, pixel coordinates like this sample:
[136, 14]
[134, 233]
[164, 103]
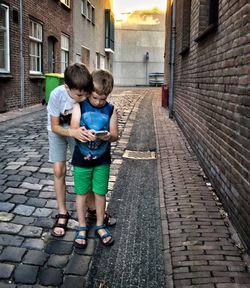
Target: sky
[125, 6]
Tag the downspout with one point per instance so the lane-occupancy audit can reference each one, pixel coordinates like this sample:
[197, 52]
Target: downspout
[21, 54]
[172, 60]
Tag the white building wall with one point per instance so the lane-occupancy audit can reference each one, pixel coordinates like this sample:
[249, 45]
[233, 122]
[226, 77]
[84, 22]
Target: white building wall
[132, 42]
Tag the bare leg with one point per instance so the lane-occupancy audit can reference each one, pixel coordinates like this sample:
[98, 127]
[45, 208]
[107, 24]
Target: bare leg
[91, 201]
[81, 208]
[60, 189]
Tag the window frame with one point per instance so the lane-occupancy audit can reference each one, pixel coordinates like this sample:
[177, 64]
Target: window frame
[186, 26]
[84, 8]
[64, 52]
[209, 22]
[66, 3]
[6, 52]
[38, 41]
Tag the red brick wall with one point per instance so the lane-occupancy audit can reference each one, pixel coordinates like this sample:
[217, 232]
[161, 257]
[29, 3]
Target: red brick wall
[56, 19]
[212, 103]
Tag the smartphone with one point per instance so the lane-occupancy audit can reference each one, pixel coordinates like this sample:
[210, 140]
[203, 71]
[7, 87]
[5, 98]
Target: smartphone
[101, 133]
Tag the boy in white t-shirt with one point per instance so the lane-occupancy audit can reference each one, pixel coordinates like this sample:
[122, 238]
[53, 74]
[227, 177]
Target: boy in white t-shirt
[78, 85]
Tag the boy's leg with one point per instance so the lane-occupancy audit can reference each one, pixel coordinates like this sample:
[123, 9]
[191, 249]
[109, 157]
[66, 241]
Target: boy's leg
[81, 208]
[60, 189]
[100, 188]
[57, 155]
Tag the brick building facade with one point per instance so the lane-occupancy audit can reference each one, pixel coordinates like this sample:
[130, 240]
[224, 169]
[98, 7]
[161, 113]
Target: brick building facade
[39, 37]
[37, 24]
[207, 65]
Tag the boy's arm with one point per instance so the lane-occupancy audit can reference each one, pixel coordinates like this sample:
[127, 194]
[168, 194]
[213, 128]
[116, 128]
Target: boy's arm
[112, 136]
[76, 131]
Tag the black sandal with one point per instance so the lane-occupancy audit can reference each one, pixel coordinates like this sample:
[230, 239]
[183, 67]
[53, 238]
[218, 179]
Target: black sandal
[108, 219]
[60, 225]
[81, 237]
[104, 236]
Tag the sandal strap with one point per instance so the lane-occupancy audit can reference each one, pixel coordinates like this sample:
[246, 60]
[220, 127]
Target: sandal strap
[102, 226]
[107, 234]
[80, 237]
[59, 225]
[63, 216]
[82, 228]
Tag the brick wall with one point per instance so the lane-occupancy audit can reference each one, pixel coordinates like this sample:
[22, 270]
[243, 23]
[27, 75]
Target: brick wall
[56, 19]
[212, 102]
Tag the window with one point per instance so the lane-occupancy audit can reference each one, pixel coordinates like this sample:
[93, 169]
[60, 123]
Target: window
[208, 17]
[85, 56]
[66, 3]
[93, 14]
[97, 60]
[88, 10]
[64, 52]
[4, 39]
[109, 31]
[186, 14]
[35, 49]
[84, 8]
[102, 61]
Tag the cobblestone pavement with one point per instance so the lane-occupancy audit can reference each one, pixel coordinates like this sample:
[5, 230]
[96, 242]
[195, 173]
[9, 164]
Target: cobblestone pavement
[199, 245]
[29, 255]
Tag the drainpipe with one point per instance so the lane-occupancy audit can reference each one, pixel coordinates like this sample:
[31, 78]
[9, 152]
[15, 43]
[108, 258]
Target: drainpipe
[21, 54]
[172, 60]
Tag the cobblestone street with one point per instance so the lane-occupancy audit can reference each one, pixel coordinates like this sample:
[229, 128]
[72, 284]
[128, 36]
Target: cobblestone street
[171, 229]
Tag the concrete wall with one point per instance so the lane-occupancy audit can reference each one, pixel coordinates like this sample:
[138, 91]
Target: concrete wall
[132, 41]
[211, 100]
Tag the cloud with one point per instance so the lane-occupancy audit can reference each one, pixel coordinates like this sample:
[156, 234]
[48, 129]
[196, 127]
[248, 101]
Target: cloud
[144, 17]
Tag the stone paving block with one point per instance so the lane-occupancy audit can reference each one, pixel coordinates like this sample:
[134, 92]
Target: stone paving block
[32, 194]
[9, 240]
[24, 210]
[51, 277]
[32, 186]
[23, 220]
[18, 199]
[78, 265]
[26, 274]
[42, 212]
[7, 227]
[16, 191]
[4, 196]
[30, 243]
[89, 250]
[6, 207]
[36, 202]
[198, 281]
[12, 254]
[58, 261]
[34, 257]
[13, 184]
[6, 270]
[44, 222]
[6, 217]
[18, 178]
[31, 231]
[51, 204]
[74, 281]
[59, 247]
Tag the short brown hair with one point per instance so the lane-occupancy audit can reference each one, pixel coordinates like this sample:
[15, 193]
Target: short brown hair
[77, 76]
[103, 81]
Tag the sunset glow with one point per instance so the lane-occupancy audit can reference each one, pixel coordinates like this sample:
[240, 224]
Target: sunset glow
[122, 8]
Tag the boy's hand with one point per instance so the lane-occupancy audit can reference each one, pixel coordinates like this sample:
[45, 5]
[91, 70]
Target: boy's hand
[105, 137]
[82, 134]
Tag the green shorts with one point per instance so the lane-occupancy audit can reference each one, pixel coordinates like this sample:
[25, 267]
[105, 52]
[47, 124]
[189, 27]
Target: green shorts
[94, 179]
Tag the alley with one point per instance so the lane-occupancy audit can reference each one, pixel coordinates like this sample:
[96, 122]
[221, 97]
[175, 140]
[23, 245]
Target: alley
[171, 229]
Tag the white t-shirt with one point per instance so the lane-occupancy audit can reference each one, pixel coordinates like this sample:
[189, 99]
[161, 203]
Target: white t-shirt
[59, 103]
